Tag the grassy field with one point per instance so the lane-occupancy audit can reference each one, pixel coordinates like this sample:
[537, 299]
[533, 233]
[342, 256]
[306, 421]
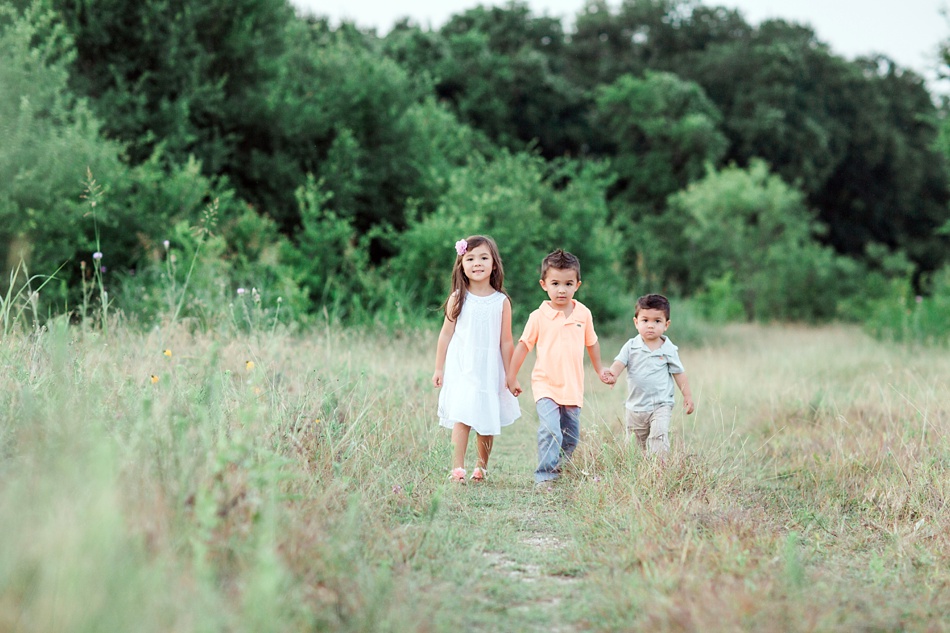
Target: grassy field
[171, 481]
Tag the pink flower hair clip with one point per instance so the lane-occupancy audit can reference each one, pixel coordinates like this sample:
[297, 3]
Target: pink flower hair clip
[461, 247]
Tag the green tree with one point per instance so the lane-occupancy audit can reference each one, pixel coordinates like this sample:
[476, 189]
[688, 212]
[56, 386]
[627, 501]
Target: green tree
[50, 139]
[661, 132]
[529, 208]
[184, 74]
[328, 261]
[857, 137]
[362, 126]
[751, 229]
[500, 70]
[66, 190]
[644, 35]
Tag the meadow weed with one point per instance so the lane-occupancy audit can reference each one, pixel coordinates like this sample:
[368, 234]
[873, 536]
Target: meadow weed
[176, 479]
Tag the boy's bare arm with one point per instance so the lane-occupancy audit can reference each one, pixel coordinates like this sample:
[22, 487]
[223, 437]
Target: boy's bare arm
[683, 383]
[517, 360]
[594, 352]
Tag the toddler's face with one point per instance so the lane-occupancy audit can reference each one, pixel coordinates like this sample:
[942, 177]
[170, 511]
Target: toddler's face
[477, 263]
[651, 323]
[560, 284]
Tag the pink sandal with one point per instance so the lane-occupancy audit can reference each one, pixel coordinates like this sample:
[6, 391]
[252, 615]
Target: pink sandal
[457, 475]
[479, 474]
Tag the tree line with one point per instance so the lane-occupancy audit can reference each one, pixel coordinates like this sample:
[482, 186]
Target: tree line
[669, 143]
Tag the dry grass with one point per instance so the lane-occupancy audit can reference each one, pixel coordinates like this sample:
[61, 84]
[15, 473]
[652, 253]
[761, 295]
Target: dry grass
[808, 492]
[307, 492]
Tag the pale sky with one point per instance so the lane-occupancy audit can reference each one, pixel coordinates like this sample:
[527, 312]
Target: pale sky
[908, 31]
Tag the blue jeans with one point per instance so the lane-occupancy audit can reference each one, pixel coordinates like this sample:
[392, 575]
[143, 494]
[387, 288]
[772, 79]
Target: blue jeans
[559, 431]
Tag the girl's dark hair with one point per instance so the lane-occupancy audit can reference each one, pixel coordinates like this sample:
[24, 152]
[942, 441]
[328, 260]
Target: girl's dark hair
[460, 281]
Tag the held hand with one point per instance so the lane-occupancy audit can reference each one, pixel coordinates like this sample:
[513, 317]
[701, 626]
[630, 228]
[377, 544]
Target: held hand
[607, 377]
[688, 405]
[514, 387]
[437, 378]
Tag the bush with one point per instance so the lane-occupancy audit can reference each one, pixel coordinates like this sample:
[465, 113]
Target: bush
[752, 241]
[50, 140]
[902, 316]
[221, 271]
[514, 200]
[67, 192]
[719, 301]
[330, 263]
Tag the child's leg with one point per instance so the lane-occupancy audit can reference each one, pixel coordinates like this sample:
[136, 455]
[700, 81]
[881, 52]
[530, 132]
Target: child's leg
[460, 442]
[658, 440]
[570, 429]
[638, 423]
[549, 439]
[484, 443]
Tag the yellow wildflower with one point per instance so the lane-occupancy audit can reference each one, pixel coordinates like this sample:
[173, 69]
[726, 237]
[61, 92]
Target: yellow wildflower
[168, 353]
[249, 365]
[154, 379]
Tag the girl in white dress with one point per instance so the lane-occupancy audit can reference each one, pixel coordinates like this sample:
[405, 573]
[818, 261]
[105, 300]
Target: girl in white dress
[473, 352]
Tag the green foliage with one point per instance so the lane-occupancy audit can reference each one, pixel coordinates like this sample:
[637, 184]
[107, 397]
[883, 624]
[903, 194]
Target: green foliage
[661, 132]
[641, 35]
[499, 69]
[49, 141]
[21, 303]
[329, 263]
[514, 200]
[719, 300]
[752, 242]
[342, 163]
[194, 274]
[256, 258]
[54, 147]
[900, 315]
[857, 137]
[361, 124]
[178, 73]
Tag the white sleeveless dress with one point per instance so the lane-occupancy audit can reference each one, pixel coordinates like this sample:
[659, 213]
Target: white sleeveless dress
[473, 384]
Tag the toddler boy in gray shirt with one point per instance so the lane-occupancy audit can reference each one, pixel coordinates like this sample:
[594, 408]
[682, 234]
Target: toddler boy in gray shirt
[653, 365]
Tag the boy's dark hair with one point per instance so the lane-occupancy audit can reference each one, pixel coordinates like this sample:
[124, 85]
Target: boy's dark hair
[562, 260]
[653, 302]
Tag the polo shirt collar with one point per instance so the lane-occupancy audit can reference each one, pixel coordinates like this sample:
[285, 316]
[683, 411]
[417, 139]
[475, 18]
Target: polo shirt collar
[642, 344]
[552, 313]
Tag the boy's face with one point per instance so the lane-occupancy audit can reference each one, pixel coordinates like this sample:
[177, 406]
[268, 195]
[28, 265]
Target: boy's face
[651, 324]
[560, 284]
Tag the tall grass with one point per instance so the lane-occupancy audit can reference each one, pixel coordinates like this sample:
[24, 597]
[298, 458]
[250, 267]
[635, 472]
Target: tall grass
[263, 480]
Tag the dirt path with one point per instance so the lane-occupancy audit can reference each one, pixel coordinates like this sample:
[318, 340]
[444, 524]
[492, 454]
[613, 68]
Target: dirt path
[530, 570]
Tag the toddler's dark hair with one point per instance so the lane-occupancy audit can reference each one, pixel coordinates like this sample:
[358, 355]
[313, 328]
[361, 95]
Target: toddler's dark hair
[562, 260]
[653, 302]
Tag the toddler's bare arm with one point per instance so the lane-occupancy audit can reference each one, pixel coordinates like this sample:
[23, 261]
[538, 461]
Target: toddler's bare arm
[683, 383]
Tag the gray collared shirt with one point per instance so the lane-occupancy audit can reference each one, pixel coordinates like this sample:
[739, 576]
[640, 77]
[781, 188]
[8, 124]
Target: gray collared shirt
[649, 373]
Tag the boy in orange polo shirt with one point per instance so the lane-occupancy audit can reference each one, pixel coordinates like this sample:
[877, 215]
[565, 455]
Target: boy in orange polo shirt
[560, 329]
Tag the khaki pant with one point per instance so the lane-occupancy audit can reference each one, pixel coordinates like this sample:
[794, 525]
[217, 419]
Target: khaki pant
[652, 428]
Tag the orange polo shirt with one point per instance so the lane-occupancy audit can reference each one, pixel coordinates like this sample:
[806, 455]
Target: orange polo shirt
[561, 343]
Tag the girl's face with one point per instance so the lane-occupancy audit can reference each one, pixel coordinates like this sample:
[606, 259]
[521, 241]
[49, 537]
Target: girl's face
[477, 264]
